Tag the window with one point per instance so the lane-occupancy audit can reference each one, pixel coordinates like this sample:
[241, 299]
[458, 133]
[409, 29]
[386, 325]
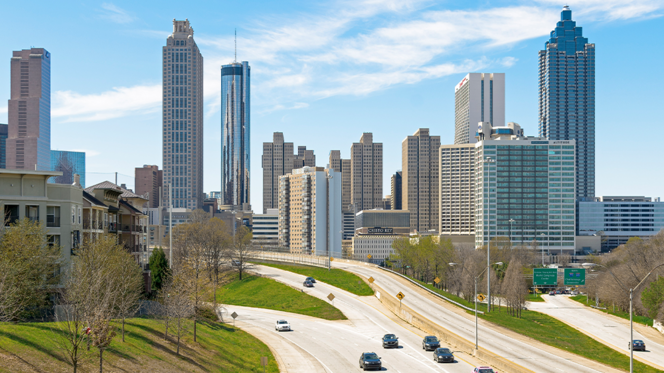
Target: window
[32, 213]
[11, 214]
[73, 215]
[53, 240]
[53, 216]
[80, 214]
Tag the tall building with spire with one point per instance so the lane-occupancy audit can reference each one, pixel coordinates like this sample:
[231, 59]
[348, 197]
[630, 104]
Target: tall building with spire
[182, 123]
[567, 97]
[29, 132]
[235, 134]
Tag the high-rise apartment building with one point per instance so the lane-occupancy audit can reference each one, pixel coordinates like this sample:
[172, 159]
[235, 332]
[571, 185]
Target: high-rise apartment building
[567, 97]
[310, 217]
[395, 203]
[457, 190]
[4, 130]
[70, 164]
[479, 97]
[29, 133]
[277, 161]
[366, 158]
[344, 166]
[524, 190]
[149, 180]
[419, 167]
[304, 158]
[182, 123]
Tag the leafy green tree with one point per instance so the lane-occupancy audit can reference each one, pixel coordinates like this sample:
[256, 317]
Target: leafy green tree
[653, 297]
[159, 270]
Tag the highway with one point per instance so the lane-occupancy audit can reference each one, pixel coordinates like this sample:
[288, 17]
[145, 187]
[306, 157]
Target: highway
[337, 345]
[610, 330]
[521, 350]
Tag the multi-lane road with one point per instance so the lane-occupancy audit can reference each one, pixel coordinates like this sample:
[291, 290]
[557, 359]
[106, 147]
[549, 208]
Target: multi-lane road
[608, 329]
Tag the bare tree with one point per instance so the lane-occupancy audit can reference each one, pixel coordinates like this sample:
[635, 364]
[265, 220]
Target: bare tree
[129, 289]
[217, 241]
[179, 305]
[514, 288]
[241, 249]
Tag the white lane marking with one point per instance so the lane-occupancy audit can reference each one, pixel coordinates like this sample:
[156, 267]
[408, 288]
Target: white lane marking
[319, 360]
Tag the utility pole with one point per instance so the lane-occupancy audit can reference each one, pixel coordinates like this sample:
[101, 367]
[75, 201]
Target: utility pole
[170, 225]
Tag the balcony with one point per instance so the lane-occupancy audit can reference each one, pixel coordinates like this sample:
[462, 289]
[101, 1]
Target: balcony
[113, 227]
[53, 221]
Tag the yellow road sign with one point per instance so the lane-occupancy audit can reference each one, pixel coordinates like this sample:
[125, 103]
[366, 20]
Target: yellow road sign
[330, 297]
[400, 296]
[371, 280]
[331, 259]
[436, 280]
[369, 256]
[481, 297]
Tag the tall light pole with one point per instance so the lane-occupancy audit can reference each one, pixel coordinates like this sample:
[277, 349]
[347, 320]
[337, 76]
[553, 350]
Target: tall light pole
[170, 225]
[476, 278]
[542, 234]
[631, 293]
[487, 161]
[511, 222]
[328, 177]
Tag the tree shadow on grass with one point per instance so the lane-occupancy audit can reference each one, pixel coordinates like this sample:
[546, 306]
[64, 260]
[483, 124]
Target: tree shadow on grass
[32, 345]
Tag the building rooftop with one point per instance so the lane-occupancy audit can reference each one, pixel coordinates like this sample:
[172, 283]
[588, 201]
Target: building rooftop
[108, 185]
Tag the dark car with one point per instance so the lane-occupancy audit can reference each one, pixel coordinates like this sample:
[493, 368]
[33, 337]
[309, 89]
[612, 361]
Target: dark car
[637, 345]
[443, 355]
[484, 369]
[313, 281]
[370, 360]
[390, 340]
[430, 343]
[552, 293]
[308, 284]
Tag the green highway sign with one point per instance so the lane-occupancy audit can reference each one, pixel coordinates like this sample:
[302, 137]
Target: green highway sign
[545, 276]
[575, 276]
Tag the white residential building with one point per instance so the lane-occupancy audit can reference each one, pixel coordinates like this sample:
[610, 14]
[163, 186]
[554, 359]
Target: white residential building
[479, 97]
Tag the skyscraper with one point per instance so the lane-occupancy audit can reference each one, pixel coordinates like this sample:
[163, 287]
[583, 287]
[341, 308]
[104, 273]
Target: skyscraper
[395, 187]
[29, 137]
[235, 134]
[419, 188]
[277, 161]
[69, 163]
[4, 130]
[479, 97]
[304, 158]
[567, 97]
[344, 166]
[149, 179]
[366, 158]
[457, 190]
[182, 127]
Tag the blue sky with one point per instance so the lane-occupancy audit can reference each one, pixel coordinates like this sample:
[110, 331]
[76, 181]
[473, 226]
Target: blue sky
[324, 72]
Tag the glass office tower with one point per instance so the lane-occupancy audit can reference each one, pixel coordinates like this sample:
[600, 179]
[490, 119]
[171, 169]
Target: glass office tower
[235, 131]
[567, 97]
[69, 163]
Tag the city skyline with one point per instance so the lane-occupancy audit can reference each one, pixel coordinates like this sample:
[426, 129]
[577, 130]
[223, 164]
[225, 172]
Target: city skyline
[434, 112]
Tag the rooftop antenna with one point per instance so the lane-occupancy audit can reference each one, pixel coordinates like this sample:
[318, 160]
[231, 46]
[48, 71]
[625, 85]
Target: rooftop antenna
[235, 60]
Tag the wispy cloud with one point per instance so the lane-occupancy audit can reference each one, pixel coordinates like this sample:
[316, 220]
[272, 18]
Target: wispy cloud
[611, 10]
[118, 102]
[115, 14]
[3, 110]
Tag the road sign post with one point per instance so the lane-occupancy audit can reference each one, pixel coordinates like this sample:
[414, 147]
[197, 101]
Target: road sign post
[575, 276]
[264, 362]
[331, 298]
[545, 276]
[400, 296]
[234, 316]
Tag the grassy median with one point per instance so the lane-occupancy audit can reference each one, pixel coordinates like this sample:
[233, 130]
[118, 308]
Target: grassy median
[32, 347]
[336, 277]
[553, 332]
[609, 310]
[260, 292]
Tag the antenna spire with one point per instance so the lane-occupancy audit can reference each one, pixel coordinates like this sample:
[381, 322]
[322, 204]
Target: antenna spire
[235, 60]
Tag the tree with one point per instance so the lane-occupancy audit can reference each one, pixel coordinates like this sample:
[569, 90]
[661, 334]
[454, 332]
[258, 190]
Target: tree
[216, 243]
[27, 266]
[178, 305]
[514, 288]
[128, 291]
[653, 297]
[240, 250]
[158, 268]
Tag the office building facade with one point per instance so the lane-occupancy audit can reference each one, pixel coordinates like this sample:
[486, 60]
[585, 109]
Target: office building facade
[366, 158]
[310, 217]
[525, 191]
[182, 127]
[457, 190]
[29, 111]
[618, 218]
[277, 161]
[265, 229]
[375, 231]
[344, 166]
[235, 134]
[479, 97]
[70, 164]
[149, 181]
[567, 97]
[304, 158]
[419, 167]
[4, 131]
[395, 187]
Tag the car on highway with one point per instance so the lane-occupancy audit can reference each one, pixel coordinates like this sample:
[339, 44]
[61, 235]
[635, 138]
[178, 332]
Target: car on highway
[637, 345]
[235, 263]
[552, 293]
[370, 360]
[430, 343]
[390, 340]
[282, 325]
[313, 281]
[308, 284]
[443, 355]
[484, 369]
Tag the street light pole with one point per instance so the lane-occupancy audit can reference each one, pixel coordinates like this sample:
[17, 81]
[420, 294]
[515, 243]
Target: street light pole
[476, 341]
[488, 160]
[511, 221]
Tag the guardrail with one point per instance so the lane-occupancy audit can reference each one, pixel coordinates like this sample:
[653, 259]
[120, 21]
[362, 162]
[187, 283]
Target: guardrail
[432, 292]
[311, 260]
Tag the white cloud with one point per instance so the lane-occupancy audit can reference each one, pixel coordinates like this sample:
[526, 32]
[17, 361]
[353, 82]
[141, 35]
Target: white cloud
[3, 110]
[115, 14]
[611, 10]
[118, 102]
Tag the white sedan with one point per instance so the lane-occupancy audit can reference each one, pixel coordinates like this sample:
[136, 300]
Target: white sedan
[282, 325]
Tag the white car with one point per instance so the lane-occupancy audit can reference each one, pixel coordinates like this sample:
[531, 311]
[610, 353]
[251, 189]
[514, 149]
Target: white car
[282, 325]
